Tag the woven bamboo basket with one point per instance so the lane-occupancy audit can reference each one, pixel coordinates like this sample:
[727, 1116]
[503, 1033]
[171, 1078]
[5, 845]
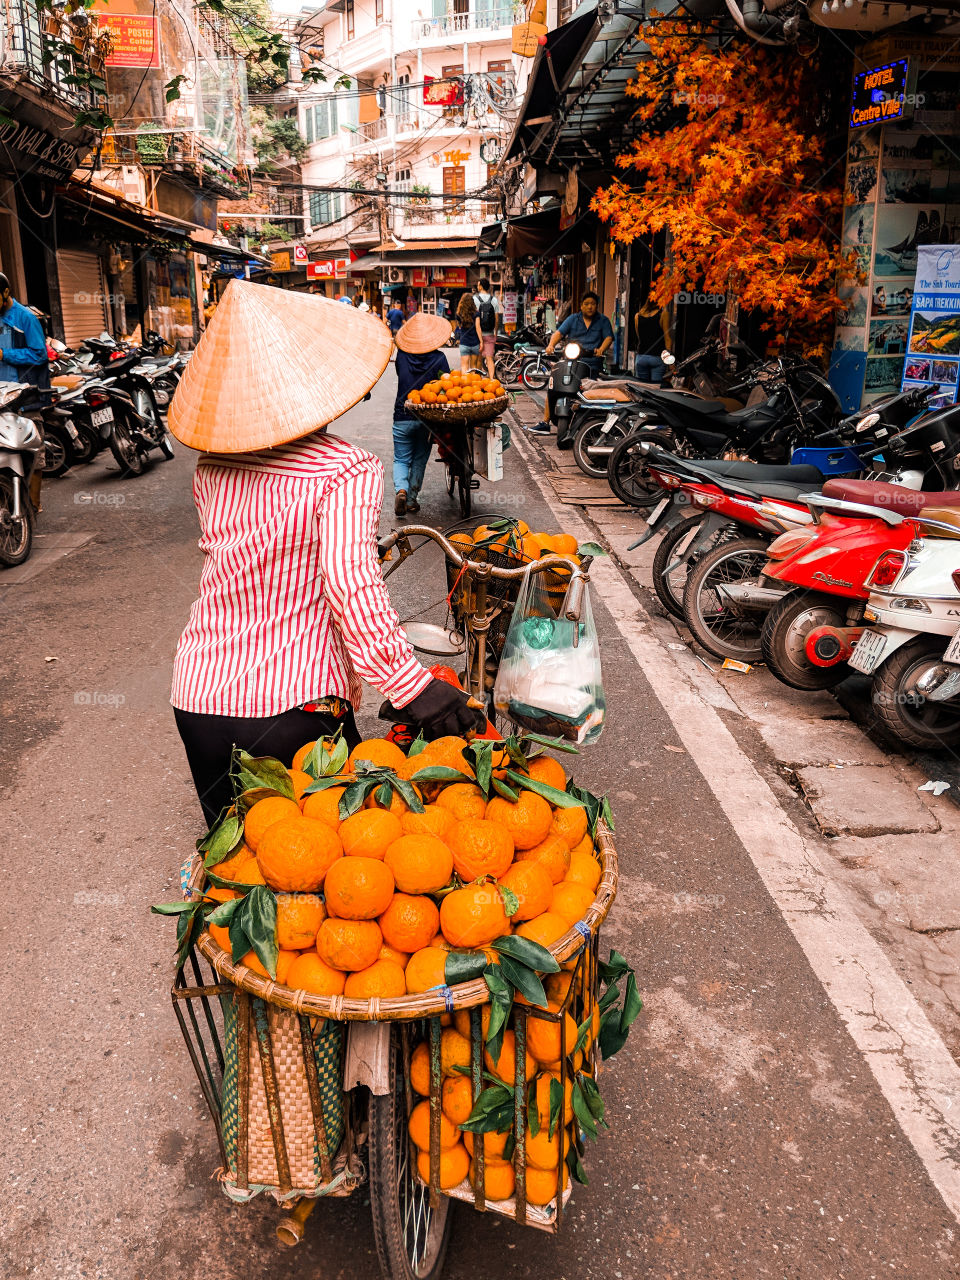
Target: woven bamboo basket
[455, 415]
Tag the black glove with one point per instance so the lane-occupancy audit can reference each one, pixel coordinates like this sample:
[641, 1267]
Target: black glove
[442, 711]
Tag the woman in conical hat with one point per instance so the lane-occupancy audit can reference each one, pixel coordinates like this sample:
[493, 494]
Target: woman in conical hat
[292, 610]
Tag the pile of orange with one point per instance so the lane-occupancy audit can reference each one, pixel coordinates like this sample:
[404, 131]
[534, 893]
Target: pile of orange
[458, 388]
[370, 905]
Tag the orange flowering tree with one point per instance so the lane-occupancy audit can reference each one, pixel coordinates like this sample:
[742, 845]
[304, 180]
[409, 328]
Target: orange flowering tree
[739, 184]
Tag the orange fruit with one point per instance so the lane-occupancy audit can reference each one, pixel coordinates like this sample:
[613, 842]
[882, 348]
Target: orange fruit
[410, 922]
[528, 821]
[556, 986]
[546, 769]
[552, 854]
[382, 978]
[420, 1069]
[420, 864]
[349, 945]
[463, 1022]
[216, 894]
[391, 953]
[434, 821]
[542, 1095]
[397, 805]
[285, 961]
[299, 916]
[302, 754]
[463, 800]
[494, 1144]
[227, 869]
[310, 973]
[457, 1098]
[454, 1166]
[296, 853]
[546, 929]
[300, 782]
[532, 884]
[543, 1152]
[438, 940]
[472, 916]
[448, 751]
[253, 962]
[324, 806]
[425, 969]
[480, 848]
[246, 872]
[377, 751]
[570, 824]
[369, 833]
[221, 936]
[454, 1051]
[584, 869]
[358, 889]
[418, 1126]
[570, 901]
[263, 815]
[499, 1180]
[505, 1066]
[543, 1037]
[565, 544]
[542, 1184]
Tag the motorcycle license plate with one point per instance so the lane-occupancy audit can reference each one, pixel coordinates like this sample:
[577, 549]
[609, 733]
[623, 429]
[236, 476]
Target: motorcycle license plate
[952, 653]
[657, 512]
[868, 652]
[101, 416]
[72, 431]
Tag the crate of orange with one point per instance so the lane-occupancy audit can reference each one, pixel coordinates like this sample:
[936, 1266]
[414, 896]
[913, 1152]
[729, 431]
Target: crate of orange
[445, 907]
[459, 399]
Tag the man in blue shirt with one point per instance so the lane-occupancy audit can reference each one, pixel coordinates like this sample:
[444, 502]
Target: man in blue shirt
[23, 348]
[593, 332]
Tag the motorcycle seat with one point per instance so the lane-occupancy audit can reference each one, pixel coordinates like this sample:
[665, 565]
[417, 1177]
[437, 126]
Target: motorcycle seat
[708, 408]
[759, 473]
[943, 515]
[778, 489]
[879, 493]
[616, 394]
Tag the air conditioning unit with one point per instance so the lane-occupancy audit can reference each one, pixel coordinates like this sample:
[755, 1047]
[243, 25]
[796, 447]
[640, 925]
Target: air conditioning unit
[496, 279]
[396, 275]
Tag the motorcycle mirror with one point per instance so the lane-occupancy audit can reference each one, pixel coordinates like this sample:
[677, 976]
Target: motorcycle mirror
[868, 422]
[572, 350]
[668, 358]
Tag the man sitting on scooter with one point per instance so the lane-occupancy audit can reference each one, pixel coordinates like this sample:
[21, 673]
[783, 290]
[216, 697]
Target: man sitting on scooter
[590, 329]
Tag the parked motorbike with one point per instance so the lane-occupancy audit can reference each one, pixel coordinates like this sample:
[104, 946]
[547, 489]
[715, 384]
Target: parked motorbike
[20, 446]
[125, 400]
[563, 387]
[514, 349]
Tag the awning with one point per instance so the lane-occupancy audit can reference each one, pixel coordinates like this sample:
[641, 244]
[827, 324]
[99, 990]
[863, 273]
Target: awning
[416, 258]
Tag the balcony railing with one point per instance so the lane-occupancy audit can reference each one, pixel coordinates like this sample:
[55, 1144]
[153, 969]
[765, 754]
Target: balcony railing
[454, 24]
[22, 48]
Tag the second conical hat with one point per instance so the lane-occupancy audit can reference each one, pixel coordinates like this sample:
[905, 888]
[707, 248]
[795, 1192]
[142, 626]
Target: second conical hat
[274, 365]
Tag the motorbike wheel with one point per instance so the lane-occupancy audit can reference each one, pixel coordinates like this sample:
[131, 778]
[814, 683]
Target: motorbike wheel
[534, 374]
[86, 446]
[57, 451]
[591, 436]
[629, 473]
[16, 535]
[125, 449]
[166, 446]
[901, 711]
[784, 635]
[411, 1237]
[670, 565]
[720, 629]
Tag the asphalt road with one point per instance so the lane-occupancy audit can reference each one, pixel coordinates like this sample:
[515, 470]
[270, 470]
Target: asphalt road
[748, 1138]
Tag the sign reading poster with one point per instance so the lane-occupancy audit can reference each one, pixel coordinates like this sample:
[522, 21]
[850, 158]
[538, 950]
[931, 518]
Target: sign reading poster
[136, 40]
[933, 347]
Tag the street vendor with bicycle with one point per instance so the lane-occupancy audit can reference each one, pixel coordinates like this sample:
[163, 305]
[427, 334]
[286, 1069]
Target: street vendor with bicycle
[292, 610]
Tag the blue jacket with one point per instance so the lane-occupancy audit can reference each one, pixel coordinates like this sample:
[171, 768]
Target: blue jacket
[23, 348]
[414, 372]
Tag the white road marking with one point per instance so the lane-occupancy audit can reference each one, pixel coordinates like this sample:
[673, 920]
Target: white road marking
[913, 1067]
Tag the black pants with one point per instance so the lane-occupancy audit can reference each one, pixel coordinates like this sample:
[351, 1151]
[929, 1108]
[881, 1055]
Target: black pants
[209, 742]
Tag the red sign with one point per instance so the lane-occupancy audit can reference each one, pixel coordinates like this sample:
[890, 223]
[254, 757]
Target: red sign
[136, 39]
[328, 269]
[442, 93]
[418, 277]
[300, 253]
[449, 277]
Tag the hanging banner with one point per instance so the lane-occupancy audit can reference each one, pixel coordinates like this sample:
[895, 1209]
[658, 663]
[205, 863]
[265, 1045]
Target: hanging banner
[442, 93]
[418, 277]
[449, 277]
[280, 261]
[328, 269]
[136, 39]
[510, 308]
[933, 347]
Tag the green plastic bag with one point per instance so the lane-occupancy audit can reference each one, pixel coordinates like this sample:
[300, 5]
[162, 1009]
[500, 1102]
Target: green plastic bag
[550, 679]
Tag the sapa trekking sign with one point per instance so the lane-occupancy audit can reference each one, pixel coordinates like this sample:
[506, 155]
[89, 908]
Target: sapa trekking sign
[878, 95]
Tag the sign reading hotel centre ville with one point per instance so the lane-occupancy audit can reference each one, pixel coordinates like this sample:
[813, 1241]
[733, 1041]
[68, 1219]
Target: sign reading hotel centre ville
[878, 94]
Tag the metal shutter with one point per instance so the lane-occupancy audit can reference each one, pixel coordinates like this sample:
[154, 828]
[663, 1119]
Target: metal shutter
[82, 296]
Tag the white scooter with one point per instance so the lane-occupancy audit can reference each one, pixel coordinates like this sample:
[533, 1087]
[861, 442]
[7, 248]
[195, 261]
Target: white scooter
[912, 644]
[20, 446]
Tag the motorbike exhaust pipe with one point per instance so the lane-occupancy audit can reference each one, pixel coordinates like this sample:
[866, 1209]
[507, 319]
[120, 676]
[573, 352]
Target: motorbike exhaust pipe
[939, 683]
[828, 646]
[290, 1228]
[747, 595]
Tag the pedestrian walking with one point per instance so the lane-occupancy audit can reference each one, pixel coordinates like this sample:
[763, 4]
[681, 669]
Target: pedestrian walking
[488, 321]
[469, 338]
[292, 610]
[419, 360]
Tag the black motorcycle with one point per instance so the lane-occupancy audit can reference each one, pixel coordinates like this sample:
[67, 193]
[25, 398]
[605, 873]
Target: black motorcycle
[125, 404]
[799, 406]
[563, 388]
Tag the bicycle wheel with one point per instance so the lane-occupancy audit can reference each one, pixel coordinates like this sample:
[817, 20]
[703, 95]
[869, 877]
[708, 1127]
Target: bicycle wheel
[411, 1237]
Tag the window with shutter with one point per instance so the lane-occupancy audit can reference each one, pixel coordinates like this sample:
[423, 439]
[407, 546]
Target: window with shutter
[454, 184]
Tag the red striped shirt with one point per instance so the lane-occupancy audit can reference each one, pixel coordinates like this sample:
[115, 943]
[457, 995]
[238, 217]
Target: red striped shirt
[292, 604]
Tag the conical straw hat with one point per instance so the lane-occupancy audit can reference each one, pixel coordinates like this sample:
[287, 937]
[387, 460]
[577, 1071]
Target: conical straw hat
[422, 333]
[274, 365]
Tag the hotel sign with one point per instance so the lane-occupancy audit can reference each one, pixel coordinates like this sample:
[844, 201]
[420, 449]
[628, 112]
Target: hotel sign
[878, 95]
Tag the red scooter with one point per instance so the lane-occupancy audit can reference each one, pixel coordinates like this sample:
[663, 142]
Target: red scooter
[862, 530]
